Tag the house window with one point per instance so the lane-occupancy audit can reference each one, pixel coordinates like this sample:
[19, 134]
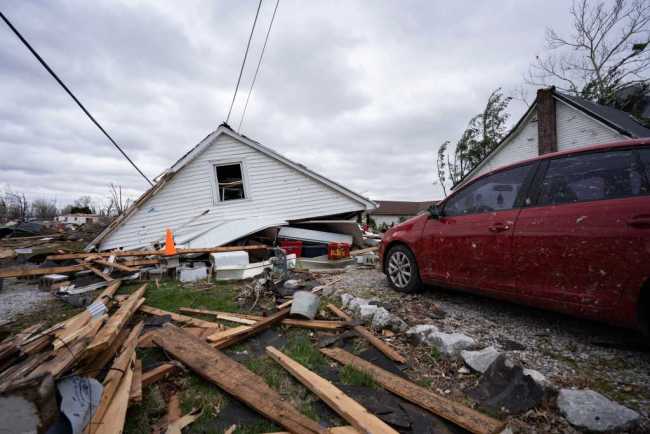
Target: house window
[230, 182]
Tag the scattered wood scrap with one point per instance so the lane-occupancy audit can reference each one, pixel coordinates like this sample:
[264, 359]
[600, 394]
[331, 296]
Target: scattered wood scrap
[457, 413]
[367, 334]
[181, 319]
[346, 407]
[333, 430]
[134, 253]
[234, 378]
[253, 319]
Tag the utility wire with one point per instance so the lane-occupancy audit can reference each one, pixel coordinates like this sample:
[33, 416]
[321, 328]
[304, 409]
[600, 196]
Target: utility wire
[244, 61]
[53, 74]
[259, 63]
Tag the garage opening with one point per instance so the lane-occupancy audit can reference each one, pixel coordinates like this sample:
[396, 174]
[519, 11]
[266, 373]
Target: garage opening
[230, 182]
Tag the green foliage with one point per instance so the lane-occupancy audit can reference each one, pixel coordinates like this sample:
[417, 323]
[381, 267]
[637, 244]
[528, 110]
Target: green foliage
[434, 354]
[355, 377]
[482, 136]
[300, 349]
[172, 295]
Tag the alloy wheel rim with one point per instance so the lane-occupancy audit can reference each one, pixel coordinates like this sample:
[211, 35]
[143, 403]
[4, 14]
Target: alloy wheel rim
[399, 269]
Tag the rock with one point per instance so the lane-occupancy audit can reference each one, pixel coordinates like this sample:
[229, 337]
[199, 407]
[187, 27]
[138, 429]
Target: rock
[420, 333]
[589, 410]
[328, 291]
[539, 378]
[292, 284]
[356, 303]
[367, 312]
[346, 299]
[480, 360]
[450, 344]
[385, 320]
[381, 320]
[504, 388]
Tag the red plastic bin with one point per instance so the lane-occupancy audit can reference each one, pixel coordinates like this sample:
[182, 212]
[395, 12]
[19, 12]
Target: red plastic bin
[338, 251]
[290, 247]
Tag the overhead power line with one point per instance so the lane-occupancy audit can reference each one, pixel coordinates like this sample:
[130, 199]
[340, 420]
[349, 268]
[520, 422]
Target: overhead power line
[53, 74]
[248, 45]
[259, 63]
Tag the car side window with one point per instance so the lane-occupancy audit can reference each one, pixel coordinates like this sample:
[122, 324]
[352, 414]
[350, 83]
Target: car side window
[644, 156]
[590, 177]
[496, 192]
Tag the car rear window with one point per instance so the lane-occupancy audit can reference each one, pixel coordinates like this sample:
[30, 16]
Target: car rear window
[594, 176]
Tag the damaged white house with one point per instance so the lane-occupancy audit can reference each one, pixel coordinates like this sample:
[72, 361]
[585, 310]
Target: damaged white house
[226, 188]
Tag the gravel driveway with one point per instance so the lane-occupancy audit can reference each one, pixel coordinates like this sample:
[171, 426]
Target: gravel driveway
[569, 352]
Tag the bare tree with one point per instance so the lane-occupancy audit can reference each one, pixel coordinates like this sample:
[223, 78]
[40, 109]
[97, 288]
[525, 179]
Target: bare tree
[17, 206]
[118, 201]
[44, 209]
[608, 51]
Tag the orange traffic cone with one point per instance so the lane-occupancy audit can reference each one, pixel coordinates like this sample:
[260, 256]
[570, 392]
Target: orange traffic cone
[170, 246]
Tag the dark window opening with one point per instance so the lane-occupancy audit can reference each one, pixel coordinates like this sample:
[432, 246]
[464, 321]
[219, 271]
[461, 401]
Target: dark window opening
[230, 182]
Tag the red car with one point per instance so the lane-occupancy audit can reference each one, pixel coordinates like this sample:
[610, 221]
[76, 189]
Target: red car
[567, 231]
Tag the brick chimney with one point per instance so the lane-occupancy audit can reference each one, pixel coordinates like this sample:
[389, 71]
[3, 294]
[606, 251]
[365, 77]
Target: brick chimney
[546, 124]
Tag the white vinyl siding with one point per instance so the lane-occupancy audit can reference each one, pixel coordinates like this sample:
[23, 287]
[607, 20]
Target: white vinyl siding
[275, 191]
[575, 129]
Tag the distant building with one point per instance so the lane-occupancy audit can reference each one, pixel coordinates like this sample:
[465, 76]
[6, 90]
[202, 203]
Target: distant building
[77, 219]
[390, 212]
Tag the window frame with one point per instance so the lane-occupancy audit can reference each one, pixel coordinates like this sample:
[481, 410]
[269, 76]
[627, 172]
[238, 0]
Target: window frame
[212, 168]
[519, 200]
[536, 190]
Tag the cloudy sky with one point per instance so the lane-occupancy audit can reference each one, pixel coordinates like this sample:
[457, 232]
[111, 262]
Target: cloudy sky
[362, 92]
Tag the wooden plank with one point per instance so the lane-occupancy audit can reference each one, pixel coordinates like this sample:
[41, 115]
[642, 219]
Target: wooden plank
[146, 340]
[95, 367]
[253, 329]
[457, 413]
[116, 374]
[252, 319]
[65, 256]
[99, 273]
[223, 335]
[346, 407]
[382, 346]
[181, 319]
[115, 323]
[29, 272]
[333, 430]
[141, 262]
[234, 378]
[113, 422]
[155, 374]
[136, 386]
[115, 265]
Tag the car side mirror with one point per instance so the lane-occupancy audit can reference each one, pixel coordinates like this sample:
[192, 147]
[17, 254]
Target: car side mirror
[435, 212]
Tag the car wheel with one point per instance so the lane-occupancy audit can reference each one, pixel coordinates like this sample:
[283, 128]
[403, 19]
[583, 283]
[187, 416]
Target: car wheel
[402, 270]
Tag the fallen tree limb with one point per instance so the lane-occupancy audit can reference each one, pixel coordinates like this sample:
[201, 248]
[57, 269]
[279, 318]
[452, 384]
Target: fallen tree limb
[367, 334]
[457, 413]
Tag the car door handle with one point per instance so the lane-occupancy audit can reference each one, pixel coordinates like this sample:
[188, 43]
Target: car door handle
[499, 227]
[641, 221]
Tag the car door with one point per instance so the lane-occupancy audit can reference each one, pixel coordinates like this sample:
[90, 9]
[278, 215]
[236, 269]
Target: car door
[470, 243]
[575, 243]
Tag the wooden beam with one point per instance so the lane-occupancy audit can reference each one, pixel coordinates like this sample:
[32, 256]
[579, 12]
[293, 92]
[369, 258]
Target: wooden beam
[181, 319]
[30, 272]
[457, 413]
[116, 374]
[223, 335]
[99, 273]
[254, 329]
[333, 430]
[120, 253]
[234, 378]
[113, 421]
[115, 265]
[155, 374]
[116, 321]
[346, 407]
[95, 367]
[136, 386]
[367, 334]
[252, 319]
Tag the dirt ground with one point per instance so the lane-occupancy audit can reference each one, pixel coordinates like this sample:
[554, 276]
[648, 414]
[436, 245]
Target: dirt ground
[570, 352]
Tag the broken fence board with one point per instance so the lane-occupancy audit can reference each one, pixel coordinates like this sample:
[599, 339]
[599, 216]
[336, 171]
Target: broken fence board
[346, 407]
[367, 334]
[182, 319]
[234, 378]
[62, 257]
[457, 413]
[252, 319]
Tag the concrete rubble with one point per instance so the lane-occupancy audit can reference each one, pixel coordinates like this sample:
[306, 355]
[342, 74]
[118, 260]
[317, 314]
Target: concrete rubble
[480, 360]
[589, 410]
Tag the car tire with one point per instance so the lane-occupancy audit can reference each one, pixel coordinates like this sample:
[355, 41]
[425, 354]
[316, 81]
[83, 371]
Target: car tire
[402, 270]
